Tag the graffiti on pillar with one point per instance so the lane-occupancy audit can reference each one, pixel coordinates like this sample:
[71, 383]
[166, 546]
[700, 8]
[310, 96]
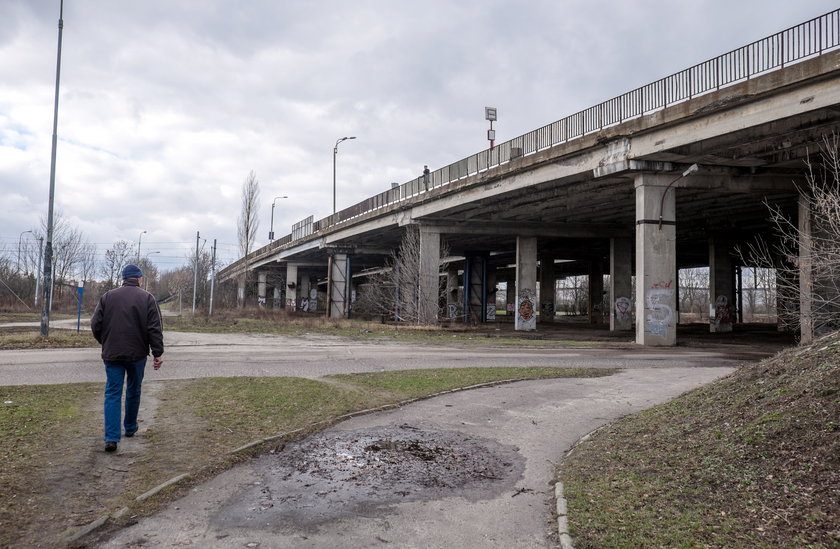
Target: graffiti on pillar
[452, 310]
[313, 300]
[662, 285]
[510, 308]
[622, 310]
[261, 301]
[659, 313]
[304, 304]
[525, 313]
[723, 311]
[491, 312]
[291, 305]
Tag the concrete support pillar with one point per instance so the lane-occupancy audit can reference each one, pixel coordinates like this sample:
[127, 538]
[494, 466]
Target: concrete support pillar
[721, 287]
[277, 302]
[452, 283]
[656, 264]
[475, 288]
[526, 283]
[490, 302]
[596, 292]
[548, 290]
[261, 279]
[427, 309]
[240, 290]
[621, 289]
[510, 294]
[306, 302]
[291, 287]
[338, 291]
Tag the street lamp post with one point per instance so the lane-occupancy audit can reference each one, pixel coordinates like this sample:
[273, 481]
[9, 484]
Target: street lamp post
[139, 240]
[20, 238]
[146, 278]
[271, 230]
[335, 153]
[48, 249]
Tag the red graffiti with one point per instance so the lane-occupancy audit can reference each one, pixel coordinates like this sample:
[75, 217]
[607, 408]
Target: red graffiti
[661, 284]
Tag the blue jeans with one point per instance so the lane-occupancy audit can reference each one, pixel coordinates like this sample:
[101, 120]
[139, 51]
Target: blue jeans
[115, 374]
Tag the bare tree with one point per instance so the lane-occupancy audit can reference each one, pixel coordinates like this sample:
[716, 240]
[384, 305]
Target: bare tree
[116, 257]
[809, 246]
[694, 291]
[395, 291]
[248, 223]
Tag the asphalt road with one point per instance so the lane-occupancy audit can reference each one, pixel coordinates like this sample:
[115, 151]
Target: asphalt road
[222, 355]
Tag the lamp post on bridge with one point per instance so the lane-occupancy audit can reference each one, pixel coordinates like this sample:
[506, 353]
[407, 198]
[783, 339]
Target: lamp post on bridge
[271, 230]
[335, 153]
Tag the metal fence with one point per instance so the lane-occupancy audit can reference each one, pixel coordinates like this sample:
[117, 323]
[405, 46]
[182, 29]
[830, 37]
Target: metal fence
[804, 41]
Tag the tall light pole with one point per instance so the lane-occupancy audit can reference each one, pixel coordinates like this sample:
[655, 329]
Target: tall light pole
[146, 278]
[271, 230]
[20, 238]
[335, 153]
[48, 274]
[139, 240]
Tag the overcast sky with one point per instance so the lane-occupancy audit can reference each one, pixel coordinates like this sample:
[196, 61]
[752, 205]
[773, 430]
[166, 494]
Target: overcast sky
[165, 107]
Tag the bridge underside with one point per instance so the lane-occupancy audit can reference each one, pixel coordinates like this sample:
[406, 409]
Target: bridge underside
[625, 202]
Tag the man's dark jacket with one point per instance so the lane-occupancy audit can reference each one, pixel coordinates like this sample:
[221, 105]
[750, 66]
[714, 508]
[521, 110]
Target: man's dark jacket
[127, 323]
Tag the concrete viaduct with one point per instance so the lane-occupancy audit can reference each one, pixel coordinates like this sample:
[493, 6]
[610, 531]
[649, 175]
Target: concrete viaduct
[671, 175]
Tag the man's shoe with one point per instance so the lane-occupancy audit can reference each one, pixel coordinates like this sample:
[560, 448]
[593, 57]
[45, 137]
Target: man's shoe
[110, 446]
[131, 434]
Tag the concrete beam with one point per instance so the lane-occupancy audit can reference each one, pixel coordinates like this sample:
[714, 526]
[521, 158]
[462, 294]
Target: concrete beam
[525, 229]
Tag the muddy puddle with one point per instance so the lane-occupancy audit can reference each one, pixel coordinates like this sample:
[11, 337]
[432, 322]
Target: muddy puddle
[363, 472]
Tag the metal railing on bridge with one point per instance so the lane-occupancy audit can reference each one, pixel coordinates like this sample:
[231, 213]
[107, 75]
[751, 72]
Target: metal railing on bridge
[806, 40]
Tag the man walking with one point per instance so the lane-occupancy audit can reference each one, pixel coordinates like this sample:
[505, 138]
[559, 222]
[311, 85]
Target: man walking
[127, 323]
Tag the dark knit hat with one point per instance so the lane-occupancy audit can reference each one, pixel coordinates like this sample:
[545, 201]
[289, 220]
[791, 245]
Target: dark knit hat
[132, 271]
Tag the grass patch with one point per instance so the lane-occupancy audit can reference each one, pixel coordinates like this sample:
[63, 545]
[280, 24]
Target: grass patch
[280, 323]
[39, 426]
[55, 475]
[752, 460]
[29, 338]
[419, 383]
[29, 317]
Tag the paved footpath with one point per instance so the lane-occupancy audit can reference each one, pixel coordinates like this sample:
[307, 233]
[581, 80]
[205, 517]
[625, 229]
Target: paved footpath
[228, 355]
[541, 420]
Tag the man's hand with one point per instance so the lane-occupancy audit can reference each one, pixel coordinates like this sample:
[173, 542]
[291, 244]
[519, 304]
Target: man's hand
[158, 362]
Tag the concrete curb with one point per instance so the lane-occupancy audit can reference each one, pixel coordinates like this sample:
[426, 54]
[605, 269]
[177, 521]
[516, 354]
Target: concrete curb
[562, 519]
[311, 428]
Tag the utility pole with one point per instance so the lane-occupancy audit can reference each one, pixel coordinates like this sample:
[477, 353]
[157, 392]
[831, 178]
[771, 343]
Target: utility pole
[48, 251]
[212, 277]
[195, 271]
